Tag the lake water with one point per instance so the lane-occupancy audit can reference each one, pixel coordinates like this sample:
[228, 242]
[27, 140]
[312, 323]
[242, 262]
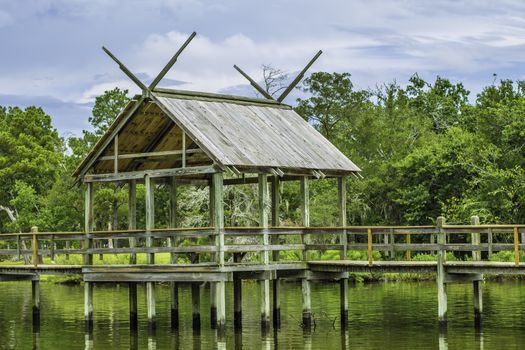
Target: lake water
[382, 316]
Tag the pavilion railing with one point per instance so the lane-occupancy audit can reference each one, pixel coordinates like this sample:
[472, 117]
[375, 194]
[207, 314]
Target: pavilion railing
[467, 242]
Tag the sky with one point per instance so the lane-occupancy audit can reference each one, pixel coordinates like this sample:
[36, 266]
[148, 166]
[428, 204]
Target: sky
[50, 50]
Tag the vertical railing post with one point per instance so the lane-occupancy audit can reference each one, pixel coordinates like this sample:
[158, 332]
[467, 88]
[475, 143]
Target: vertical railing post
[516, 246]
[475, 238]
[34, 244]
[489, 243]
[408, 253]
[369, 250]
[440, 276]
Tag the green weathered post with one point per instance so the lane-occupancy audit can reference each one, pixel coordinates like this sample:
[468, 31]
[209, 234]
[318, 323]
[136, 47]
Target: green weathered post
[263, 223]
[276, 201]
[305, 283]
[218, 213]
[343, 283]
[172, 241]
[132, 225]
[476, 256]
[440, 277]
[150, 225]
[88, 257]
[35, 284]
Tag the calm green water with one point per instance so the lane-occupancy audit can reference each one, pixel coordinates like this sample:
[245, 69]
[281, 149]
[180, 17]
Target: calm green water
[382, 316]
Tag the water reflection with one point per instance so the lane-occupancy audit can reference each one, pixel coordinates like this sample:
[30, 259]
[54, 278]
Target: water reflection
[393, 315]
[443, 344]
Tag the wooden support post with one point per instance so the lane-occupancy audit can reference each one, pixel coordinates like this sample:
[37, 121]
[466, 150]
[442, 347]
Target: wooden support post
[237, 296]
[440, 276]
[218, 220]
[263, 223]
[132, 225]
[35, 293]
[196, 306]
[150, 224]
[343, 282]
[276, 285]
[391, 241]
[88, 257]
[305, 283]
[172, 242]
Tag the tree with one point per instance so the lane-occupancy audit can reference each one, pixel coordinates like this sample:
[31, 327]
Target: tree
[333, 98]
[31, 155]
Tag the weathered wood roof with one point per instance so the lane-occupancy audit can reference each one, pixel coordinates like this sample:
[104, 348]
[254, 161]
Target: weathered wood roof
[249, 134]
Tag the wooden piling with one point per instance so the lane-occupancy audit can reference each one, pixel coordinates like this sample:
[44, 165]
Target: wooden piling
[88, 305]
[237, 296]
[35, 294]
[174, 293]
[195, 306]
[440, 276]
[133, 310]
[305, 283]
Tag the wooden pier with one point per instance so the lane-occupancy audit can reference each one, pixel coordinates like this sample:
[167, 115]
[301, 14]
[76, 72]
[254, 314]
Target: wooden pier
[471, 268]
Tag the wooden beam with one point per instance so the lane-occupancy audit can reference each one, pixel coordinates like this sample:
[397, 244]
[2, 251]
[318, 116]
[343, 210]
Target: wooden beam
[171, 62]
[218, 215]
[299, 77]
[110, 177]
[126, 70]
[153, 154]
[150, 224]
[115, 152]
[253, 83]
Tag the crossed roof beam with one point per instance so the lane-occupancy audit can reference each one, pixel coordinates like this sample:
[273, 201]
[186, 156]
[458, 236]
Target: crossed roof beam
[147, 90]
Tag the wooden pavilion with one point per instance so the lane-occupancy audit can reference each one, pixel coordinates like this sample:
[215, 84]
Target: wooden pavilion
[180, 137]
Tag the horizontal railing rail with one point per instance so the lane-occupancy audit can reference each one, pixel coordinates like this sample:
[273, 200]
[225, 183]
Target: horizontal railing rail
[387, 241]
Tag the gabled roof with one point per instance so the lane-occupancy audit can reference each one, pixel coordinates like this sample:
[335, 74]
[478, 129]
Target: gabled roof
[248, 134]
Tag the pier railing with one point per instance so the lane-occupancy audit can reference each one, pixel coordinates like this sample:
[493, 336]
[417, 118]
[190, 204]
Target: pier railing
[287, 244]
